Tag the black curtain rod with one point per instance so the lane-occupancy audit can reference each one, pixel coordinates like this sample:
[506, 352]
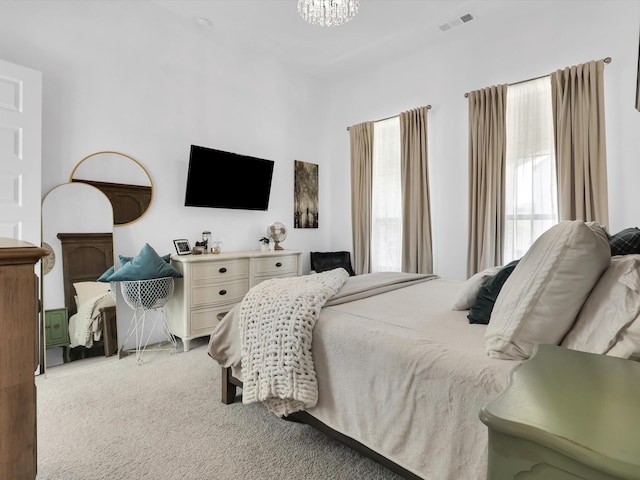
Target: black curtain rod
[606, 60]
[428, 107]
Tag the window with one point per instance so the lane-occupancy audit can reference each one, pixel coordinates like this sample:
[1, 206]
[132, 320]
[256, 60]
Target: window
[530, 190]
[386, 209]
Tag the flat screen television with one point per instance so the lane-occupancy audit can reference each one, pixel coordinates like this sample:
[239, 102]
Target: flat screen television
[221, 179]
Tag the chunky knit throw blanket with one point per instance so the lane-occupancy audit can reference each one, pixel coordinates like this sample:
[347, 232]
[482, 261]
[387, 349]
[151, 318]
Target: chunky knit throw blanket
[276, 327]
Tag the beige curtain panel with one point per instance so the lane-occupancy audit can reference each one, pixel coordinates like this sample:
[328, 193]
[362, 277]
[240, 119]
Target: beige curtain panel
[578, 117]
[361, 138]
[487, 146]
[417, 254]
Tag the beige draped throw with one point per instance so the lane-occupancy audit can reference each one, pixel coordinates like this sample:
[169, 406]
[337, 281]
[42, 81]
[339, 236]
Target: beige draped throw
[361, 137]
[487, 147]
[416, 215]
[578, 116]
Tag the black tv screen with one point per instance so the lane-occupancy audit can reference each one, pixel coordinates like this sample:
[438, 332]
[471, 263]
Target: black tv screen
[227, 180]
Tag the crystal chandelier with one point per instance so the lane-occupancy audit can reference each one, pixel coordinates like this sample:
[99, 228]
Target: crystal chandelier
[327, 13]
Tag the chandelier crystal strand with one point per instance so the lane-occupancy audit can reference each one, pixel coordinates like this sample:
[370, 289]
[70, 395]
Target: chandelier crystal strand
[327, 13]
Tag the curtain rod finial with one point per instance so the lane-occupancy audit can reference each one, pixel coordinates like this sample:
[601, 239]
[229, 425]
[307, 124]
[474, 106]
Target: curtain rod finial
[607, 60]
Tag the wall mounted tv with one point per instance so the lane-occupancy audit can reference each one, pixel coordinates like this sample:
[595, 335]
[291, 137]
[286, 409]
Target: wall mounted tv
[227, 180]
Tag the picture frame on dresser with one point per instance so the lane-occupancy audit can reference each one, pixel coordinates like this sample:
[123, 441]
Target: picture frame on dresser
[182, 246]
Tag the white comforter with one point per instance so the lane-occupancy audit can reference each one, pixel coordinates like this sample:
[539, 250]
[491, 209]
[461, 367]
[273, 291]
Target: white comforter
[403, 374]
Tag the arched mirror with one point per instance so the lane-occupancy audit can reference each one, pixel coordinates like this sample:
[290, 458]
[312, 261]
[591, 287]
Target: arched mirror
[123, 179]
[79, 318]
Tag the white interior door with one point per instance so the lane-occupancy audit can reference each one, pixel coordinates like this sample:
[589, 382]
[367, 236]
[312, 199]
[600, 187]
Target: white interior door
[20, 152]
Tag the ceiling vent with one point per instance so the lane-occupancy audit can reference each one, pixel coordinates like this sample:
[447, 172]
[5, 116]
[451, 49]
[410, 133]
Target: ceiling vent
[456, 22]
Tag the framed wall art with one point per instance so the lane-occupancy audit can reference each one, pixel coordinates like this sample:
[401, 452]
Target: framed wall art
[305, 195]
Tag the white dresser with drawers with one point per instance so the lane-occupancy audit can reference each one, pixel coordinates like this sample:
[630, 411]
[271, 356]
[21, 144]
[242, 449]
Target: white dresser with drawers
[213, 283]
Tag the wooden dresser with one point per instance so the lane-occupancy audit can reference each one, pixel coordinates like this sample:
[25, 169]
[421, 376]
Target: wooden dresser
[566, 415]
[19, 308]
[214, 283]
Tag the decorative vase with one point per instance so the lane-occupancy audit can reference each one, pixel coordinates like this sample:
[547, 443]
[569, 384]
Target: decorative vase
[264, 247]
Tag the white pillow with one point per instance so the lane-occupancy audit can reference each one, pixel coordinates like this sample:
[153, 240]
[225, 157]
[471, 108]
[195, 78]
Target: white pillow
[612, 305]
[540, 300]
[471, 288]
[89, 290]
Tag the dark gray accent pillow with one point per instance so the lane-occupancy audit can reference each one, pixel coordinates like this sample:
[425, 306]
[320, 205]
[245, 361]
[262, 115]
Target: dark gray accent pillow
[625, 242]
[480, 311]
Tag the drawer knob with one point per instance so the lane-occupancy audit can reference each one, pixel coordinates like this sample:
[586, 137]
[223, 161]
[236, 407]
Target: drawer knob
[223, 270]
[279, 264]
[222, 292]
[221, 315]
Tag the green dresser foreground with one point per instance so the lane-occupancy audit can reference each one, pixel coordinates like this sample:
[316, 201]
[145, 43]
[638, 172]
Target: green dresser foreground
[566, 415]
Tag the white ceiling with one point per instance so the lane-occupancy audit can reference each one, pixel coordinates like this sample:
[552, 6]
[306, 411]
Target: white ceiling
[381, 30]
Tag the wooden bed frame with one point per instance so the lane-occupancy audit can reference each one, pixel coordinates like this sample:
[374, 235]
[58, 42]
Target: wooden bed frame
[230, 385]
[86, 256]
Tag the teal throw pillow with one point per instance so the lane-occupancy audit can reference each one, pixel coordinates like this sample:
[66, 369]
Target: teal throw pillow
[146, 266]
[123, 259]
[105, 276]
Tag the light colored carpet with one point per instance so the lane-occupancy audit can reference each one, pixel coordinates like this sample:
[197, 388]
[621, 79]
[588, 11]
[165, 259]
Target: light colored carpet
[164, 420]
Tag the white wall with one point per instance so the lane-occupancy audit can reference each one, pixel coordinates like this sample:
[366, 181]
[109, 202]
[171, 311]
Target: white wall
[518, 41]
[131, 77]
[114, 80]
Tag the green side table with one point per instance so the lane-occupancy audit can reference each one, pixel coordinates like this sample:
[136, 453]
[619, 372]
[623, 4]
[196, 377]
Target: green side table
[566, 415]
[56, 324]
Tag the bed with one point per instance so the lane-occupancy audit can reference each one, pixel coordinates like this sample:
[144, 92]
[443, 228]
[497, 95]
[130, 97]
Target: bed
[402, 376]
[92, 311]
